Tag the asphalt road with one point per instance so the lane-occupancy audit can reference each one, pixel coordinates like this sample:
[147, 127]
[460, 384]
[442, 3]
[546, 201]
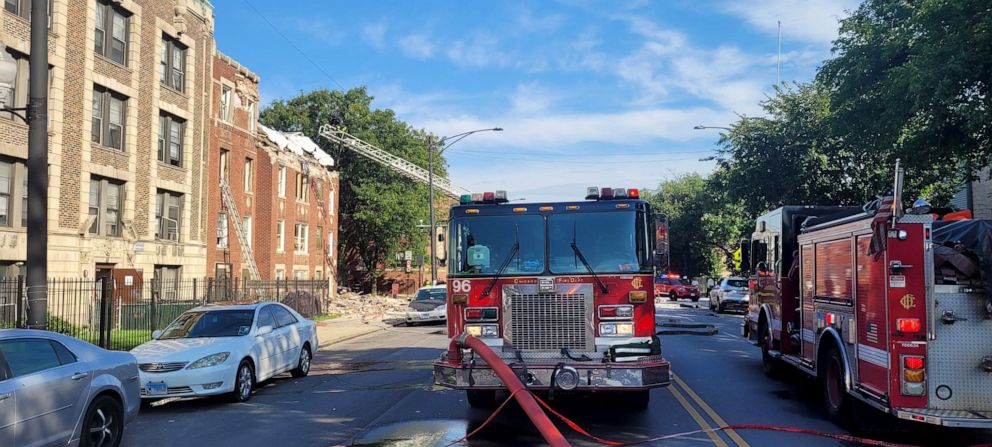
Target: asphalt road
[376, 390]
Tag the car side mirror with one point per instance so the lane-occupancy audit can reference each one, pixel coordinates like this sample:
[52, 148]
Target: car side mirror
[156, 335]
[262, 330]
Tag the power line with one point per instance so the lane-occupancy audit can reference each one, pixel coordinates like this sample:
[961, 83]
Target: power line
[602, 155]
[290, 42]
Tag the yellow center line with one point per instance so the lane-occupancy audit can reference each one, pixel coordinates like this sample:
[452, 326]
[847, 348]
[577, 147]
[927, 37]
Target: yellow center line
[698, 418]
[709, 411]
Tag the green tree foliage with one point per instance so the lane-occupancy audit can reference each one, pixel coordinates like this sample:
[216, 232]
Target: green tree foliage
[379, 209]
[911, 80]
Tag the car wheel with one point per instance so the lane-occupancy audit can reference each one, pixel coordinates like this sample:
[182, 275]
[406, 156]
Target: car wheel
[103, 423]
[480, 398]
[303, 366]
[695, 299]
[672, 297]
[244, 381]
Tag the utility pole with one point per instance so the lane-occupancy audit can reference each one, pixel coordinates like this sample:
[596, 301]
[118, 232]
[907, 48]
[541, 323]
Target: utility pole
[37, 165]
[430, 200]
[778, 65]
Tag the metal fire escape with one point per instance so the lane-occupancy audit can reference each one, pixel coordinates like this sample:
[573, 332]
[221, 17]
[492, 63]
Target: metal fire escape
[315, 188]
[247, 254]
[442, 184]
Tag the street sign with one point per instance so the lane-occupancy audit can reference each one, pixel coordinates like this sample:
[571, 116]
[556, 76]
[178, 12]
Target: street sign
[408, 255]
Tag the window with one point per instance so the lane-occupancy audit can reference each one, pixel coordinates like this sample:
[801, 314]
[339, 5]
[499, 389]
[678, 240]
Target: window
[250, 106]
[24, 199]
[302, 187]
[111, 33]
[225, 103]
[301, 238]
[105, 204]
[249, 175]
[280, 236]
[171, 130]
[222, 231]
[320, 237]
[299, 274]
[330, 205]
[247, 226]
[330, 244]
[280, 274]
[172, 69]
[167, 280]
[29, 355]
[168, 209]
[6, 187]
[109, 109]
[223, 164]
[22, 8]
[17, 94]
[13, 184]
[281, 188]
[265, 317]
[282, 316]
[318, 275]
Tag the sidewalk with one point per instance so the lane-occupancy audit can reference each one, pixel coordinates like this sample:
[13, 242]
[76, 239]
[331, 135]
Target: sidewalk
[345, 328]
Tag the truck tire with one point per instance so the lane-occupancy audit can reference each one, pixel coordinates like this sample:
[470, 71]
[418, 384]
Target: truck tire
[771, 366]
[835, 398]
[672, 297]
[480, 398]
[636, 400]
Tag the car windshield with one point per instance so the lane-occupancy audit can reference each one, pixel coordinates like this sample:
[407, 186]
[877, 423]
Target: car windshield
[430, 294]
[214, 323]
[738, 283]
[480, 244]
[674, 281]
[611, 241]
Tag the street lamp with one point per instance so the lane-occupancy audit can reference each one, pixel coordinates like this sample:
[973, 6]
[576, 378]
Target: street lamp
[701, 127]
[36, 116]
[443, 144]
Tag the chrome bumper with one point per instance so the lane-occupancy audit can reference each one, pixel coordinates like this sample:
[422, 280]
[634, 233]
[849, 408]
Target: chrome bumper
[947, 418]
[643, 374]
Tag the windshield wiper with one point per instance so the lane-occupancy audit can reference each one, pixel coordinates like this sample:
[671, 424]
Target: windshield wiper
[506, 262]
[578, 253]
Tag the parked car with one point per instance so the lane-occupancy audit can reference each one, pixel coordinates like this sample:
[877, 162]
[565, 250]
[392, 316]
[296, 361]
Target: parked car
[429, 304]
[731, 294]
[674, 288]
[225, 350]
[58, 390]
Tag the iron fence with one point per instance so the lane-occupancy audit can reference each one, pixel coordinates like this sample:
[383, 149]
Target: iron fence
[121, 313]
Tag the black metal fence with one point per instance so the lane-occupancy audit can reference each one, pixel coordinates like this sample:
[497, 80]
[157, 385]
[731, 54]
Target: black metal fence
[121, 314]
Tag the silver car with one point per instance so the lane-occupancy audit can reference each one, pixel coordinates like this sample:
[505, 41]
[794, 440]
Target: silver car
[731, 294]
[59, 390]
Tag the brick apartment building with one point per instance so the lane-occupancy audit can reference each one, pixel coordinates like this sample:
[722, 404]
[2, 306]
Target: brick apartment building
[282, 186]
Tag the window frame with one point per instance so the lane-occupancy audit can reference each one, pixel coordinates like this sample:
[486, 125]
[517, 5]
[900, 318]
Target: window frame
[224, 164]
[104, 45]
[99, 225]
[9, 368]
[301, 246]
[103, 97]
[281, 187]
[249, 175]
[161, 208]
[280, 236]
[226, 95]
[166, 123]
[17, 97]
[302, 187]
[168, 68]
[225, 240]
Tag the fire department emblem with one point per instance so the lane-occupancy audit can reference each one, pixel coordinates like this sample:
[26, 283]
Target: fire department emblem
[908, 301]
[636, 283]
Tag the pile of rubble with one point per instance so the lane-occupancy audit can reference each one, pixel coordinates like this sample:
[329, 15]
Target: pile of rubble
[369, 307]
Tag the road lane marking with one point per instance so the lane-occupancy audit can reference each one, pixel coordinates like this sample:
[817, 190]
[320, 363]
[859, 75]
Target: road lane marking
[710, 412]
[698, 418]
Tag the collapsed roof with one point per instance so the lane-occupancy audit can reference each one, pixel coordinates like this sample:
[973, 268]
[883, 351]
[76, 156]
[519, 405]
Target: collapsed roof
[298, 144]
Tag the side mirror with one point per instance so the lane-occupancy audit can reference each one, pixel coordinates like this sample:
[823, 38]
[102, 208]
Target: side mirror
[745, 262]
[262, 330]
[156, 335]
[440, 238]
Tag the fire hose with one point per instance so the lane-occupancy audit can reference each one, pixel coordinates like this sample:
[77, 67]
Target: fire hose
[531, 405]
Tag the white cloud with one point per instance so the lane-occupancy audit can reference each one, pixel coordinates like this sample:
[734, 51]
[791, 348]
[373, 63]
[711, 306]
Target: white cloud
[527, 22]
[321, 30]
[374, 34]
[531, 98]
[418, 46]
[478, 50]
[813, 21]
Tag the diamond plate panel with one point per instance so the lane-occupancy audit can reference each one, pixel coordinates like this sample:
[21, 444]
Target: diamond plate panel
[955, 354]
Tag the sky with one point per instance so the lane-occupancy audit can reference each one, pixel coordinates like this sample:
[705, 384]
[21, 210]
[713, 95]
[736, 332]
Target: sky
[589, 93]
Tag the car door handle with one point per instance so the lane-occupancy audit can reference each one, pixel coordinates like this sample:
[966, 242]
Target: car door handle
[4, 397]
[79, 376]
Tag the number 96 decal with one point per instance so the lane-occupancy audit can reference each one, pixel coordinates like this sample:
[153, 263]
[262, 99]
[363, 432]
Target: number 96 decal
[461, 286]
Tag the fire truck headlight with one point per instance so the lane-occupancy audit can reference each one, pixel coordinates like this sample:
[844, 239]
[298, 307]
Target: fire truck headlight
[616, 329]
[482, 330]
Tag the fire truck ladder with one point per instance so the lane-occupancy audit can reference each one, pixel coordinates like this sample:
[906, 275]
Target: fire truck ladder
[247, 254]
[305, 169]
[442, 184]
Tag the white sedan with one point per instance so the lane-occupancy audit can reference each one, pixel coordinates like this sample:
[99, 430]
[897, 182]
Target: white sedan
[429, 304]
[225, 349]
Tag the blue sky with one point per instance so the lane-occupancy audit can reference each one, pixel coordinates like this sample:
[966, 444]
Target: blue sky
[588, 92]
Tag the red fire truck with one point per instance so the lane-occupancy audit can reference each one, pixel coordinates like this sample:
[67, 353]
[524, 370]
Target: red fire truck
[882, 323]
[563, 292]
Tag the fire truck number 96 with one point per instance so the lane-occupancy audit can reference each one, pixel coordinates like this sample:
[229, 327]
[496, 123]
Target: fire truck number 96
[462, 286]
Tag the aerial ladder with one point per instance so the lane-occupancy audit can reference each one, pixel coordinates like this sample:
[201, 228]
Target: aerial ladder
[398, 164]
[247, 254]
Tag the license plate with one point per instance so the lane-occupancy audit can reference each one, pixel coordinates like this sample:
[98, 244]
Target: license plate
[425, 315]
[157, 389]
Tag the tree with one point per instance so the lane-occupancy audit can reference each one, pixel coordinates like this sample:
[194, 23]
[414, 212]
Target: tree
[379, 209]
[911, 80]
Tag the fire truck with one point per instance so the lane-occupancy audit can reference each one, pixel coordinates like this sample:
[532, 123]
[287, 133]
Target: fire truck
[563, 292]
[888, 323]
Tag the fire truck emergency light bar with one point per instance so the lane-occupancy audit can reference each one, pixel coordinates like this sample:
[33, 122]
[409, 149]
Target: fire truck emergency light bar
[595, 193]
[485, 197]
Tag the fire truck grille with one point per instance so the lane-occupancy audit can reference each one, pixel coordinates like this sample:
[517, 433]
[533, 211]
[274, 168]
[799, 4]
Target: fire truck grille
[550, 322]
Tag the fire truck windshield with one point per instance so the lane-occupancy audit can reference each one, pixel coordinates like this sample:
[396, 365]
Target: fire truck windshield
[481, 244]
[612, 242]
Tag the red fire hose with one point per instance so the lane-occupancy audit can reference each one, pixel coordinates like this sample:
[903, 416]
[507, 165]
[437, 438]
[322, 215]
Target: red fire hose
[517, 390]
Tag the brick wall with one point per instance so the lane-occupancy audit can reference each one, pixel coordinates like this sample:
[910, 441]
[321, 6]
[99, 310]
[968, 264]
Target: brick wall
[981, 196]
